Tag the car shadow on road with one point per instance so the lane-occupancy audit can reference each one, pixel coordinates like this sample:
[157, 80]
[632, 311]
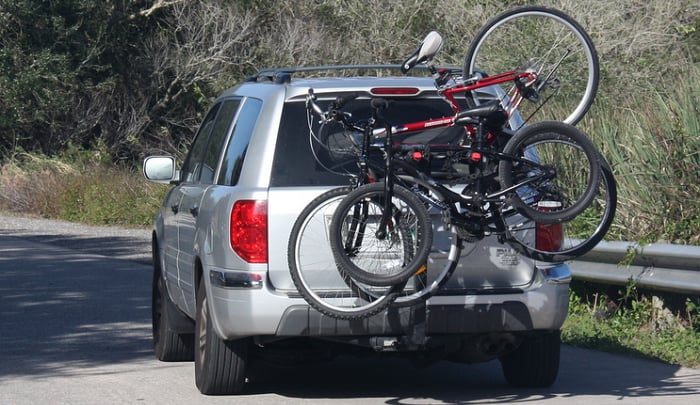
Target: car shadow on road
[63, 311]
[117, 247]
[582, 373]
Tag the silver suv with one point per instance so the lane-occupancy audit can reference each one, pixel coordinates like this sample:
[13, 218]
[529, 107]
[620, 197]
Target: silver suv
[222, 291]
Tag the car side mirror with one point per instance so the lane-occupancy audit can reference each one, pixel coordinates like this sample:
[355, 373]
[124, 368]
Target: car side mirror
[160, 169]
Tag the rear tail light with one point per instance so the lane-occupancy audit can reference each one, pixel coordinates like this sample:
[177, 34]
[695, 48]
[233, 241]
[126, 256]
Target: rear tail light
[248, 230]
[549, 237]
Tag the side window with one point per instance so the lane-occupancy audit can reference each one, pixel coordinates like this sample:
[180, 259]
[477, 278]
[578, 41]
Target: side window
[190, 169]
[238, 145]
[202, 160]
[216, 140]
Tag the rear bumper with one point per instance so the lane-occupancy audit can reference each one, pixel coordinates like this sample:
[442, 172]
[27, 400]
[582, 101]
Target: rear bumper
[435, 319]
[242, 312]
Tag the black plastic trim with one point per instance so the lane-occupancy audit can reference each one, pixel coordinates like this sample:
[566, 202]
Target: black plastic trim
[509, 316]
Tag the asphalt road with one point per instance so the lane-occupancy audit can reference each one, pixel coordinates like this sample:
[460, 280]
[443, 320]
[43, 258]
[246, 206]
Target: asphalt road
[75, 329]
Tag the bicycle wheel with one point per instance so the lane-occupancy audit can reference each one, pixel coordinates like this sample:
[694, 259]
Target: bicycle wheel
[570, 239]
[315, 273]
[553, 170]
[376, 253]
[548, 42]
[444, 254]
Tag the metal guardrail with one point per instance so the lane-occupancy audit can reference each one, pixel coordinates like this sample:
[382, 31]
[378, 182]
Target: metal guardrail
[663, 267]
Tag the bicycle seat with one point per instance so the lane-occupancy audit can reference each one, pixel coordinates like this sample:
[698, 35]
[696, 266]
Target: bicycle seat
[491, 113]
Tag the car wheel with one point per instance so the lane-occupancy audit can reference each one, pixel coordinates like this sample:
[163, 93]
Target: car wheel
[220, 365]
[535, 363]
[169, 344]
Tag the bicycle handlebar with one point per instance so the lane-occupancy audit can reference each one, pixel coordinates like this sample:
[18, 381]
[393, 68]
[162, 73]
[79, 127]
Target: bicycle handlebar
[333, 112]
[334, 109]
[311, 104]
[341, 101]
[379, 104]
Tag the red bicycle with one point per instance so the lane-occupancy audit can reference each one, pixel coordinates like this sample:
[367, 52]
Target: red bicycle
[537, 53]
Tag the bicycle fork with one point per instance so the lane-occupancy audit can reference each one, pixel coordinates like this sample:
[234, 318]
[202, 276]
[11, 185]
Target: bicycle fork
[360, 214]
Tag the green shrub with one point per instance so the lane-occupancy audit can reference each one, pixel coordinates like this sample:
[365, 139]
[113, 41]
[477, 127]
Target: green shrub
[80, 191]
[109, 196]
[628, 321]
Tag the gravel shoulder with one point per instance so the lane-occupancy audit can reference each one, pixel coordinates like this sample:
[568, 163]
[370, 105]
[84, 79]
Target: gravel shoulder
[115, 242]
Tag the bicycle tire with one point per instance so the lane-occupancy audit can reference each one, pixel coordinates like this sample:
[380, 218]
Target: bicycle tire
[380, 260]
[577, 237]
[315, 273]
[550, 148]
[419, 288]
[539, 37]
[445, 252]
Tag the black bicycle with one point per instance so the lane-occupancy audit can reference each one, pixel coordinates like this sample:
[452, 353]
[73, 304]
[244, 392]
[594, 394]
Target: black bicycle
[537, 180]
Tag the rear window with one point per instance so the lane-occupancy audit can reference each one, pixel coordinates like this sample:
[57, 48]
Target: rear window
[326, 157]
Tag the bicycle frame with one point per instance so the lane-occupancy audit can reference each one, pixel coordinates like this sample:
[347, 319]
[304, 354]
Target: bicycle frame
[526, 77]
[492, 201]
[511, 100]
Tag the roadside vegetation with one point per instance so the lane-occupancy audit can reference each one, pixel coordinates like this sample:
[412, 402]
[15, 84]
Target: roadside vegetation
[79, 186]
[133, 78]
[625, 320]
[88, 89]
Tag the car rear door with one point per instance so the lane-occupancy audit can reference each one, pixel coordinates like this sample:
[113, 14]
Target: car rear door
[202, 168]
[173, 213]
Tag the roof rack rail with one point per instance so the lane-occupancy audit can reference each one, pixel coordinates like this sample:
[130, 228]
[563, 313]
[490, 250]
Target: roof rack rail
[284, 75]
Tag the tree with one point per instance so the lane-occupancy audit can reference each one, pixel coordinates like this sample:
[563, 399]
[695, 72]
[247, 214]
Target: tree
[60, 61]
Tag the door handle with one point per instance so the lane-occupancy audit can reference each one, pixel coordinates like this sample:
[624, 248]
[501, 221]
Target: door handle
[175, 208]
[194, 211]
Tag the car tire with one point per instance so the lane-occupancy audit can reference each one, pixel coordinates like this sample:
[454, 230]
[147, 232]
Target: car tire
[535, 363]
[170, 343]
[220, 365]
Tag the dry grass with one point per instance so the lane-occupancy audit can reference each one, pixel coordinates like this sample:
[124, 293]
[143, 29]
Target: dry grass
[653, 144]
[30, 184]
[93, 193]
[636, 40]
